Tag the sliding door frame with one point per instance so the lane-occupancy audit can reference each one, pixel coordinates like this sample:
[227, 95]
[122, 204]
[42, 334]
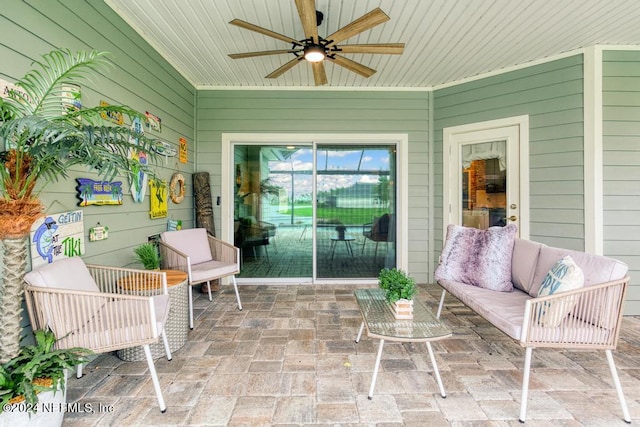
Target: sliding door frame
[402, 204]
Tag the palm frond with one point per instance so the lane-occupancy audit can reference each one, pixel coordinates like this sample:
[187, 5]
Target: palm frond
[43, 86]
[44, 141]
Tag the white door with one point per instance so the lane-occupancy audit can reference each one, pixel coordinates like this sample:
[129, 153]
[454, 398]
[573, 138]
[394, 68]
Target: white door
[483, 174]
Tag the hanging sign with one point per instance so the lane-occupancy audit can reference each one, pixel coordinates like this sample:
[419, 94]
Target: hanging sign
[164, 148]
[7, 87]
[174, 224]
[99, 232]
[153, 122]
[182, 149]
[71, 98]
[138, 178]
[56, 236]
[158, 199]
[112, 116]
[98, 193]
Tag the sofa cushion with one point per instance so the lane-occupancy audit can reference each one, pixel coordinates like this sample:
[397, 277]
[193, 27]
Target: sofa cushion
[478, 257]
[505, 311]
[192, 241]
[564, 276]
[523, 263]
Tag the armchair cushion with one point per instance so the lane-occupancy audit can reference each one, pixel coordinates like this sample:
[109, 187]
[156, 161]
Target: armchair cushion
[67, 273]
[211, 270]
[192, 241]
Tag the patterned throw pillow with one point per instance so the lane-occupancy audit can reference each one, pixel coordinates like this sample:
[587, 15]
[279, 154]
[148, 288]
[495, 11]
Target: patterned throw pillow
[564, 276]
[478, 257]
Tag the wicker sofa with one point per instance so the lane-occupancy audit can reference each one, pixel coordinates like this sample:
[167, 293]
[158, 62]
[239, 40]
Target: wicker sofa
[591, 315]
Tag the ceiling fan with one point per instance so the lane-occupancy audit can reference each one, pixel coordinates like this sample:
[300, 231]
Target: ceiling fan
[315, 49]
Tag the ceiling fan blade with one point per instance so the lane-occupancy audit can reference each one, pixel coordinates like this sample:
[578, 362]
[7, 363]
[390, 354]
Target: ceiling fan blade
[283, 69]
[307, 12]
[354, 66]
[261, 53]
[252, 27]
[390, 48]
[365, 22]
[319, 73]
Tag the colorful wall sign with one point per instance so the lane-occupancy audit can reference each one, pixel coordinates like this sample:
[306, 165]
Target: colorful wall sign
[99, 232]
[71, 98]
[164, 148]
[138, 178]
[174, 224]
[154, 122]
[111, 116]
[182, 149]
[158, 199]
[57, 236]
[99, 193]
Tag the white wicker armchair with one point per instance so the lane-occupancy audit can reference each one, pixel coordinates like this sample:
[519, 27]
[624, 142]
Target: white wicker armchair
[100, 308]
[203, 257]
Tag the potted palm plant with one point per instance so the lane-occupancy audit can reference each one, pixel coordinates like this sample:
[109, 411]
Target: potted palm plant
[32, 384]
[399, 289]
[39, 141]
[147, 255]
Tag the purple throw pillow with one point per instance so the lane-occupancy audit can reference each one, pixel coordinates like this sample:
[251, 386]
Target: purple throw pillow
[478, 257]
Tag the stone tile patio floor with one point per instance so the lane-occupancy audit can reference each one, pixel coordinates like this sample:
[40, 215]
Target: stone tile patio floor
[289, 358]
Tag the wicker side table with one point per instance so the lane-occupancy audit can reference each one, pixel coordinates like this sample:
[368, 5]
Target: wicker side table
[177, 326]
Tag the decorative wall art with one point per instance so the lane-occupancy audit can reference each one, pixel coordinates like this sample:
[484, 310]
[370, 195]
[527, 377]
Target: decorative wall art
[138, 177]
[165, 149]
[98, 193]
[203, 202]
[174, 224]
[6, 87]
[99, 232]
[71, 98]
[158, 199]
[57, 236]
[153, 122]
[177, 188]
[182, 149]
[112, 116]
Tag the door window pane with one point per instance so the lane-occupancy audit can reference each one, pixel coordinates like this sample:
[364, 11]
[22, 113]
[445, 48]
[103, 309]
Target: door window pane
[484, 185]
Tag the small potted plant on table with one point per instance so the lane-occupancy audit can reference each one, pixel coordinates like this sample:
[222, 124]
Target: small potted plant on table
[399, 290]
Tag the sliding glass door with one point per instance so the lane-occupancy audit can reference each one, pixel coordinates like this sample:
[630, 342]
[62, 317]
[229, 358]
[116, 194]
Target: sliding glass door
[355, 207]
[314, 211]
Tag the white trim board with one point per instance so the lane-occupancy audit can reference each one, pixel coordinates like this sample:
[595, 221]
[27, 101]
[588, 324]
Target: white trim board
[592, 151]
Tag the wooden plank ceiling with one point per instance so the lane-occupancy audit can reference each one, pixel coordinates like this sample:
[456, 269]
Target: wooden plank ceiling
[445, 40]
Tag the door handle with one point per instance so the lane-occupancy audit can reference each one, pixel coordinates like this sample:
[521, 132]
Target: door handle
[512, 218]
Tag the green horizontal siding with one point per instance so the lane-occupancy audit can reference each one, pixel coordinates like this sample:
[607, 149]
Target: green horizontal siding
[552, 95]
[621, 164]
[139, 78]
[229, 111]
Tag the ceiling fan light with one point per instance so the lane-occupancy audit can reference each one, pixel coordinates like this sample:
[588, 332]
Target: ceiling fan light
[314, 53]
